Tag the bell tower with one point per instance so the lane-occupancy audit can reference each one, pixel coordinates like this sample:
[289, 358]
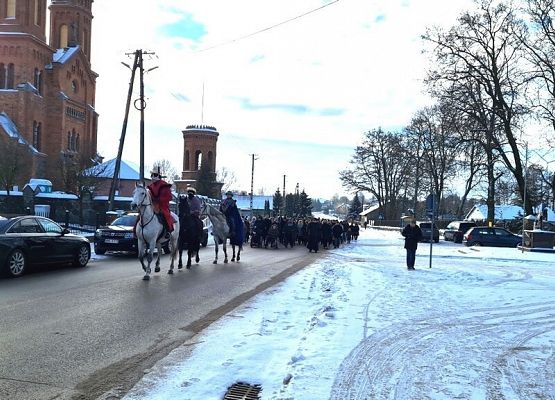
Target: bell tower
[19, 16]
[199, 159]
[70, 24]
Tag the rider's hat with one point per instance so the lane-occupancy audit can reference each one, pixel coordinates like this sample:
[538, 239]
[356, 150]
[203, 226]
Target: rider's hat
[156, 170]
[229, 192]
[191, 189]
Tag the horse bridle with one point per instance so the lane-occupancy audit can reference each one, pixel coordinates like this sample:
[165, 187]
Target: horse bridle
[141, 204]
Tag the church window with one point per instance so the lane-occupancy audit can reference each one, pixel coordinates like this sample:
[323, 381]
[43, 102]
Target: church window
[36, 77]
[10, 78]
[3, 82]
[10, 10]
[63, 36]
[69, 140]
[36, 13]
[37, 135]
[77, 143]
[74, 86]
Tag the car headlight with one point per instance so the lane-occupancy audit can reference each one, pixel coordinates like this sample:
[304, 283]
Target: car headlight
[128, 235]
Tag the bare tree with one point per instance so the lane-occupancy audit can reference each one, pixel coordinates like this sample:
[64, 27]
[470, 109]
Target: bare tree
[10, 163]
[227, 177]
[484, 48]
[166, 169]
[380, 166]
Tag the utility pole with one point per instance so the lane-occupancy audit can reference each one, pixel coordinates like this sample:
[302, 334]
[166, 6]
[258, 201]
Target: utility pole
[252, 179]
[115, 178]
[283, 207]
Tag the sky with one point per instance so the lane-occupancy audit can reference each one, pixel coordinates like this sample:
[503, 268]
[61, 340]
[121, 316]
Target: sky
[295, 83]
[480, 323]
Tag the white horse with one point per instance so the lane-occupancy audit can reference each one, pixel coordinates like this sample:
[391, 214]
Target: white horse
[220, 232]
[149, 231]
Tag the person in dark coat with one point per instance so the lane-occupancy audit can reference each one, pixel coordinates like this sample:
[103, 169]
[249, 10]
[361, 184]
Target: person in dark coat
[355, 229]
[337, 232]
[412, 235]
[314, 235]
[326, 234]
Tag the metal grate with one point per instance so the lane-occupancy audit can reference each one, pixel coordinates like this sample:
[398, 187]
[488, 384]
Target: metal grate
[243, 391]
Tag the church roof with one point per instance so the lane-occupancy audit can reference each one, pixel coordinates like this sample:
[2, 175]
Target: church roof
[11, 130]
[62, 55]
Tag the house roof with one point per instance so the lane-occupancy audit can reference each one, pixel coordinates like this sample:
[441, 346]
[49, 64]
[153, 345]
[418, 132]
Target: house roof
[127, 171]
[502, 212]
[244, 202]
[369, 210]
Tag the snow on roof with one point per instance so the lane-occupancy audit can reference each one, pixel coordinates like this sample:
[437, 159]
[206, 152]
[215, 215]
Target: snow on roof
[370, 209]
[116, 198]
[58, 195]
[244, 202]
[62, 55]
[127, 170]
[11, 130]
[502, 212]
[12, 193]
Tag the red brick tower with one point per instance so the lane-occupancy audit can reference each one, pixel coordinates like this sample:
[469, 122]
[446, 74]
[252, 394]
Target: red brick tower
[47, 92]
[199, 150]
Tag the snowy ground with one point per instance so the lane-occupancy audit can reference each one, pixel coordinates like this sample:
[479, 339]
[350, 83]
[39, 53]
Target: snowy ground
[357, 325]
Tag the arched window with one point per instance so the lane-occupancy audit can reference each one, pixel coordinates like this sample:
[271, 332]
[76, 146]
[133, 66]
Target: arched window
[10, 79]
[36, 77]
[186, 165]
[37, 135]
[198, 160]
[36, 13]
[10, 9]
[2, 76]
[63, 36]
[39, 88]
[69, 140]
[77, 143]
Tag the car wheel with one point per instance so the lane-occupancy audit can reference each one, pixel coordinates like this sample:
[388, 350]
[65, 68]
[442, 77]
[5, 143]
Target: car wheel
[16, 263]
[82, 257]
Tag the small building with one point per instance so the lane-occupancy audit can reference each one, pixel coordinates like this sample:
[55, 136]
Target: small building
[479, 213]
[103, 174]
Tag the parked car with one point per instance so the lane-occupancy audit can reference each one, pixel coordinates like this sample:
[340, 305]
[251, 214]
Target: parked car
[491, 236]
[456, 230]
[118, 236]
[32, 240]
[426, 228]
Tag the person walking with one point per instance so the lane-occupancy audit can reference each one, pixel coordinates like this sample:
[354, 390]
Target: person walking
[412, 234]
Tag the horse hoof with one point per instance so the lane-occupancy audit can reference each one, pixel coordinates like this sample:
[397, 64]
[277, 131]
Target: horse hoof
[225, 261]
[157, 269]
[238, 258]
[233, 260]
[146, 278]
[188, 267]
[179, 266]
[214, 262]
[170, 272]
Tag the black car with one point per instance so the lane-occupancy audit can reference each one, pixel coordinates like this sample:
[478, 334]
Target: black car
[33, 240]
[456, 230]
[118, 236]
[491, 236]
[426, 228]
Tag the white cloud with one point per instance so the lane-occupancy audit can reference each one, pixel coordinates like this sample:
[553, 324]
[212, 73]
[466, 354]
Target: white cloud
[360, 59]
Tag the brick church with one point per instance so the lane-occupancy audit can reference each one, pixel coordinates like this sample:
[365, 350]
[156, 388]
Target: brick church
[48, 121]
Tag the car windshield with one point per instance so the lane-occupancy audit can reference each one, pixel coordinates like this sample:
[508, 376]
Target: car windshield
[125, 220]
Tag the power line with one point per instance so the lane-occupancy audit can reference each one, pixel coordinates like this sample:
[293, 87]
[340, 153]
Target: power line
[268, 28]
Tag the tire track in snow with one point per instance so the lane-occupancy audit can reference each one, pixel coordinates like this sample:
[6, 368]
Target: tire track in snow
[442, 354]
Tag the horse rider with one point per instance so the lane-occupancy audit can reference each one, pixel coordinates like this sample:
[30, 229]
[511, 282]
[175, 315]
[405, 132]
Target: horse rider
[195, 205]
[161, 194]
[226, 207]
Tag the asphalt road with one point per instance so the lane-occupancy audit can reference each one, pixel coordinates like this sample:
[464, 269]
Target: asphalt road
[92, 333]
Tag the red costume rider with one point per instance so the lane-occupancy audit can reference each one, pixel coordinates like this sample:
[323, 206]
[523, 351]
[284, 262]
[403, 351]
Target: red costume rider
[161, 196]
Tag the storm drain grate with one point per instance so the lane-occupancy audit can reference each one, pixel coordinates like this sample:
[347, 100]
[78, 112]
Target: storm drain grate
[243, 391]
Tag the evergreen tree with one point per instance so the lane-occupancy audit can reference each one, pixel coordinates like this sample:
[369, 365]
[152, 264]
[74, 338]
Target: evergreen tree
[267, 207]
[356, 207]
[316, 205]
[204, 181]
[278, 202]
[305, 205]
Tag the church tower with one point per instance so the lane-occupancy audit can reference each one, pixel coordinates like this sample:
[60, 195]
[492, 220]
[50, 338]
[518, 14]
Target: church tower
[70, 25]
[199, 159]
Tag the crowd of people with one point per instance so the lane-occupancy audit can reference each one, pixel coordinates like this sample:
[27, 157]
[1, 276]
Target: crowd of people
[285, 232]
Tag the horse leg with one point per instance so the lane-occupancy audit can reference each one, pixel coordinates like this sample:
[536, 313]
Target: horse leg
[233, 257]
[158, 255]
[216, 245]
[180, 263]
[197, 258]
[239, 254]
[189, 255]
[225, 251]
[147, 269]
[173, 252]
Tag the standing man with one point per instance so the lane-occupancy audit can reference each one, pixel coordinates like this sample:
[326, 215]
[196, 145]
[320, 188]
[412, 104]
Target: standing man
[412, 235]
[161, 194]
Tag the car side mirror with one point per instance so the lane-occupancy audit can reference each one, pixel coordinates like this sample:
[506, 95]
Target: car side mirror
[65, 231]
